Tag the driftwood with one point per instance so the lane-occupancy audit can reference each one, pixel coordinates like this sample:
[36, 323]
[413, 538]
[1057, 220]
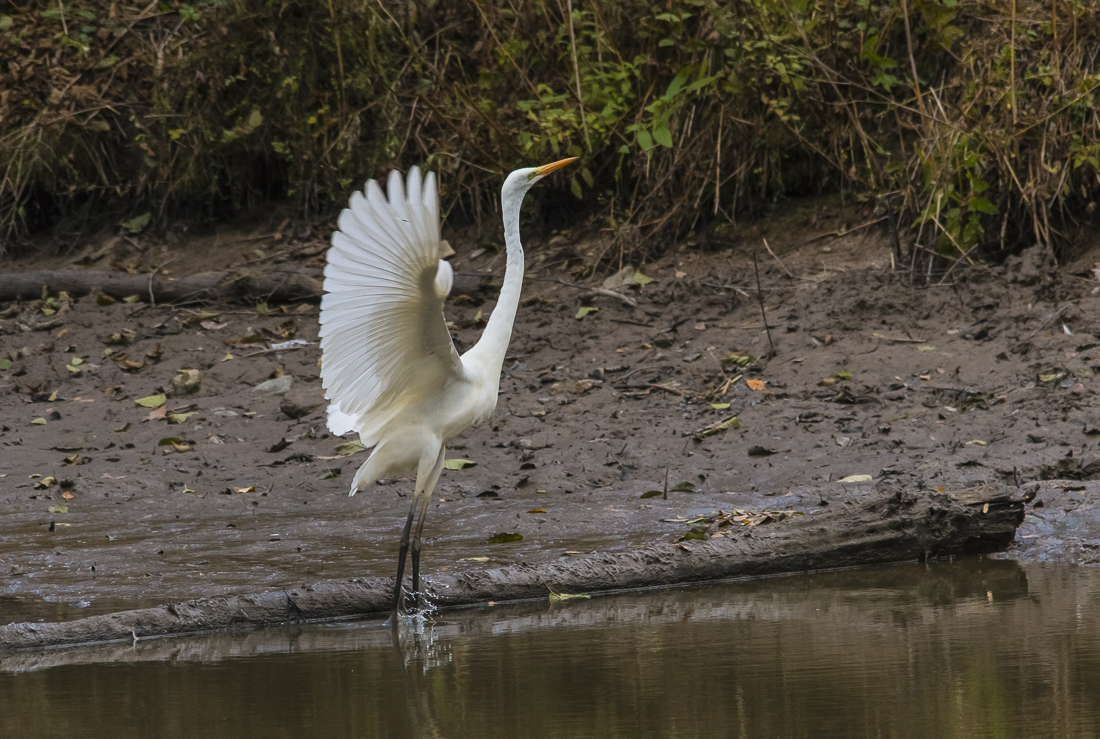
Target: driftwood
[279, 286]
[276, 286]
[881, 527]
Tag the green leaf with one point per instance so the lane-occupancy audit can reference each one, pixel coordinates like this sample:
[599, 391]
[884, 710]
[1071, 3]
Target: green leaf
[699, 83]
[575, 187]
[640, 279]
[554, 597]
[39, 421]
[5, 22]
[58, 508]
[644, 139]
[504, 538]
[684, 487]
[856, 478]
[984, 206]
[741, 360]
[330, 474]
[135, 225]
[5, 364]
[458, 464]
[719, 406]
[351, 447]
[152, 401]
[662, 134]
[584, 311]
[677, 82]
[650, 494]
[169, 441]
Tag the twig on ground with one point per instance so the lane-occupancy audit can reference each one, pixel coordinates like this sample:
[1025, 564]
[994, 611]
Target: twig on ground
[590, 289]
[763, 313]
[838, 234]
[1044, 323]
[781, 265]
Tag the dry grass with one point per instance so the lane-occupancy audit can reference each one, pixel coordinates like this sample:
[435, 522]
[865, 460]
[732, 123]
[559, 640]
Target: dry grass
[975, 125]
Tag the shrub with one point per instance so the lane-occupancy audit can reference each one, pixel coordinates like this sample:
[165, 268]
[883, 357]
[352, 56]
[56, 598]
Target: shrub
[976, 123]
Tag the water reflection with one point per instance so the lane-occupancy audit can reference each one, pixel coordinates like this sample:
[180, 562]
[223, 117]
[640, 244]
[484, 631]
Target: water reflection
[970, 649]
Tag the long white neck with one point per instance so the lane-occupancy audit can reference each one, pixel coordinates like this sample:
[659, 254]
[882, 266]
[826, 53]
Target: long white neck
[493, 346]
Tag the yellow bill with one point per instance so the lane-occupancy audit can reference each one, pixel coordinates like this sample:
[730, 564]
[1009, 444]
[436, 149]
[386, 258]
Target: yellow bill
[548, 168]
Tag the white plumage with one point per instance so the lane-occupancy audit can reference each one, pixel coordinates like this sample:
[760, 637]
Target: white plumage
[388, 364]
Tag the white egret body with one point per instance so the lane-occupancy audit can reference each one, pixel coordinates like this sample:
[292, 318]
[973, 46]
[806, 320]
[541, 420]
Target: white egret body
[388, 364]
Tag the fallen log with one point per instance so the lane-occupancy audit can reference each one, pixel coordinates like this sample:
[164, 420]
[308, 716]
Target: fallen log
[275, 286]
[278, 286]
[890, 525]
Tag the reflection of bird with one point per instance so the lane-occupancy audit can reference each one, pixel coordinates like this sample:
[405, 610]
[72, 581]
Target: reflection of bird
[387, 361]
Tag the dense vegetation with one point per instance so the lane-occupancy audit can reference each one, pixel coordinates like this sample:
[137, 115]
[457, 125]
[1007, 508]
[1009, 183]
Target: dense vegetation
[977, 122]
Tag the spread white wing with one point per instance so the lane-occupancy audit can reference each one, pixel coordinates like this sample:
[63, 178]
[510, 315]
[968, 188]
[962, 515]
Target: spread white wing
[384, 341]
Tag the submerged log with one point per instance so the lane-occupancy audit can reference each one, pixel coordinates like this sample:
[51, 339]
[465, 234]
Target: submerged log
[278, 286]
[885, 526]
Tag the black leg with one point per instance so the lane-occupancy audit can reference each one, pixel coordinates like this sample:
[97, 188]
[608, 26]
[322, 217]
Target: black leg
[401, 553]
[416, 574]
[416, 551]
[425, 496]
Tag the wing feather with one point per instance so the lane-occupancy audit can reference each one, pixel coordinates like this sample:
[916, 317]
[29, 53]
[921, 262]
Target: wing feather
[383, 336]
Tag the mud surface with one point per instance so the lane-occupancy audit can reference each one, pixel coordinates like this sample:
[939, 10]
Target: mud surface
[988, 378]
[882, 527]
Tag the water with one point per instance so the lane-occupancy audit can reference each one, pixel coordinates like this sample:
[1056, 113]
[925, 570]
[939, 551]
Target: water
[971, 649]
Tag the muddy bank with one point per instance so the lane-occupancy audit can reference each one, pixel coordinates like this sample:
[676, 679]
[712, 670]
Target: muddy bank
[107, 505]
[884, 526]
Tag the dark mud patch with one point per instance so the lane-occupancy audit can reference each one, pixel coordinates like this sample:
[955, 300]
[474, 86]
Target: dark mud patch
[227, 490]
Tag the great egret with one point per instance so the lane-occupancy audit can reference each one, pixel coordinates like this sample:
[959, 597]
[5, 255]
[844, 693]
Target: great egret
[388, 364]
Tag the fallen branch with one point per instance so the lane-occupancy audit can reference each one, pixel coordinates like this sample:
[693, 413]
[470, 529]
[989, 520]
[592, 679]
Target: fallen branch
[886, 526]
[221, 287]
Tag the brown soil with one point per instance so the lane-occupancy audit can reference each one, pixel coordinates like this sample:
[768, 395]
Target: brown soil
[987, 378]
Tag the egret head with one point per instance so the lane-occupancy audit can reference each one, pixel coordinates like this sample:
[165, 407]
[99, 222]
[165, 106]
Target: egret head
[521, 180]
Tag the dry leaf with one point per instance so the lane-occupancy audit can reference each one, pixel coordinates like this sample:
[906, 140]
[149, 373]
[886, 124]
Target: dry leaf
[152, 401]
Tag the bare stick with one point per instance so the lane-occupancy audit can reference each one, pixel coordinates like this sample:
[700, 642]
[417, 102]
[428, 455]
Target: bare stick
[1044, 323]
[783, 266]
[577, 73]
[763, 313]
